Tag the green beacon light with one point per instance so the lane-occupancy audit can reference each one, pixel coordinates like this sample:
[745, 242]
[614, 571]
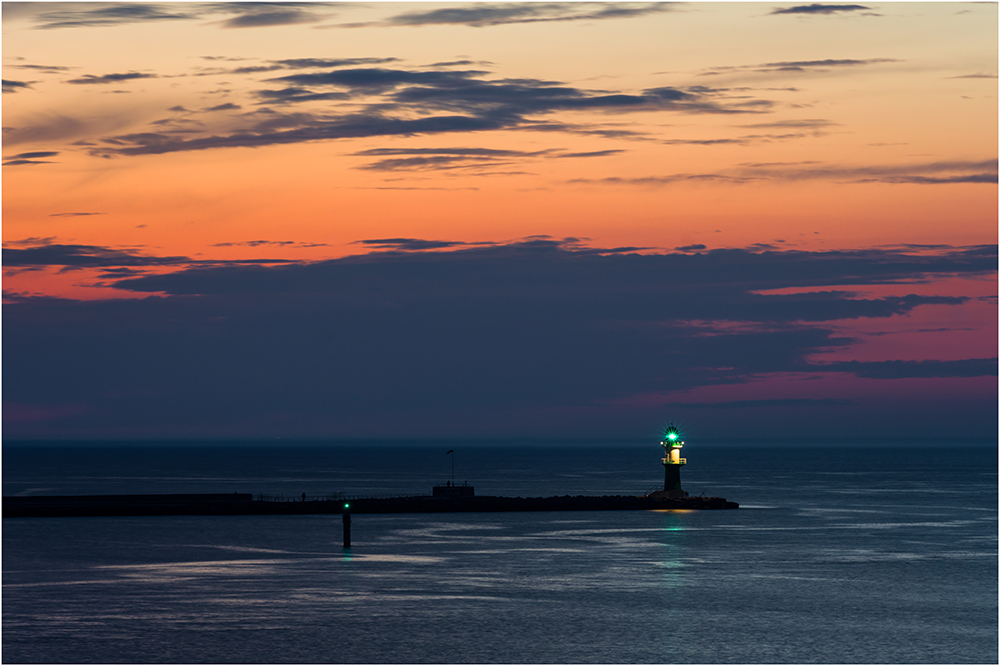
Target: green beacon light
[347, 506]
[672, 461]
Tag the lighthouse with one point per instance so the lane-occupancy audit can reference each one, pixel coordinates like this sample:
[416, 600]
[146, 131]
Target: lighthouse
[672, 462]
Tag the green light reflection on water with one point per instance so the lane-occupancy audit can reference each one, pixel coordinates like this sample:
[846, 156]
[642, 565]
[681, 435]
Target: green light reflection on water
[670, 560]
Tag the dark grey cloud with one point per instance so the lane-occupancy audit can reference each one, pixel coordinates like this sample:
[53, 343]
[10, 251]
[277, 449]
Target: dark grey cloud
[460, 63]
[34, 157]
[23, 162]
[68, 257]
[362, 125]
[228, 106]
[402, 159]
[520, 97]
[409, 102]
[259, 19]
[12, 86]
[979, 75]
[591, 153]
[977, 178]
[928, 173]
[462, 152]
[294, 95]
[306, 63]
[469, 91]
[91, 79]
[484, 14]
[691, 248]
[417, 244]
[30, 241]
[46, 69]
[259, 243]
[821, 9]
[319, 63]
[537, 335]
[90, 15]
[82, 256]
[34, 154]
[241, 14]
[377, 79]
[73, 214]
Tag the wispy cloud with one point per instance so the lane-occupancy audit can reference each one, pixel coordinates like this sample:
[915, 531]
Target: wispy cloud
[794, 123]
[824, 9]
[92, 79]
[42, 253]
[402, 159]
[81, 256]
[481, 15]
[928, 173]
[260, 243]
[12, 86]
[299, 63]
[977, 75]
[797, 66]
[241, 14]
[44, 69]
[268, 14]
[110, 14]
[228, 106]
[34, 157]
[396, 101]
[414, 244]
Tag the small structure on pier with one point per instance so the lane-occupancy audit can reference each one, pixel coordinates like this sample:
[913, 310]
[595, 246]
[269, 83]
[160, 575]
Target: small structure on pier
[454, 490]
[672, 463]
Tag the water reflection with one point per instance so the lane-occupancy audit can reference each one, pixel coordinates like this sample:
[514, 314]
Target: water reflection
[673, 524]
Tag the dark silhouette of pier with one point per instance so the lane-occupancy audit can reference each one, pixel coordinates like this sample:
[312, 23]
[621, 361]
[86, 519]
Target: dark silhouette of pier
[235, 504]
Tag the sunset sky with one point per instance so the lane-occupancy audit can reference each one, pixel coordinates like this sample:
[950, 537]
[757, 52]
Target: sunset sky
[499, 219]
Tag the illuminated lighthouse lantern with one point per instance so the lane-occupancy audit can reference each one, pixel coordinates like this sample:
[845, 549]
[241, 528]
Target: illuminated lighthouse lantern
[672, 462]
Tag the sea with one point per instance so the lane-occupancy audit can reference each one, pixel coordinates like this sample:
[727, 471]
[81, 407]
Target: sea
[865, 551]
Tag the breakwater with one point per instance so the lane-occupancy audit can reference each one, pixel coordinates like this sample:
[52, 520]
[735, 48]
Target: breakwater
[247, 504]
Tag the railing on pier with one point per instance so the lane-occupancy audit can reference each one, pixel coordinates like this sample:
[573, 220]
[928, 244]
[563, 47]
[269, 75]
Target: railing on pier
[679, 461]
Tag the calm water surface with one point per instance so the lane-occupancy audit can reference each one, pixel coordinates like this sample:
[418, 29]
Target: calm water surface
[866, 555]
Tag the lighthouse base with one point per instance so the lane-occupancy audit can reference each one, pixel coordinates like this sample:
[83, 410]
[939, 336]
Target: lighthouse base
[668, 494]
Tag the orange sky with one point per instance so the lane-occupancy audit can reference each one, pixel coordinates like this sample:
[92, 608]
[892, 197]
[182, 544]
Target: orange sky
[822, 130]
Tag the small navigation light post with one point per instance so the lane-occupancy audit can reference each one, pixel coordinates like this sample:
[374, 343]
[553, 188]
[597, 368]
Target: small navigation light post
[347, 524]
[672, 461]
